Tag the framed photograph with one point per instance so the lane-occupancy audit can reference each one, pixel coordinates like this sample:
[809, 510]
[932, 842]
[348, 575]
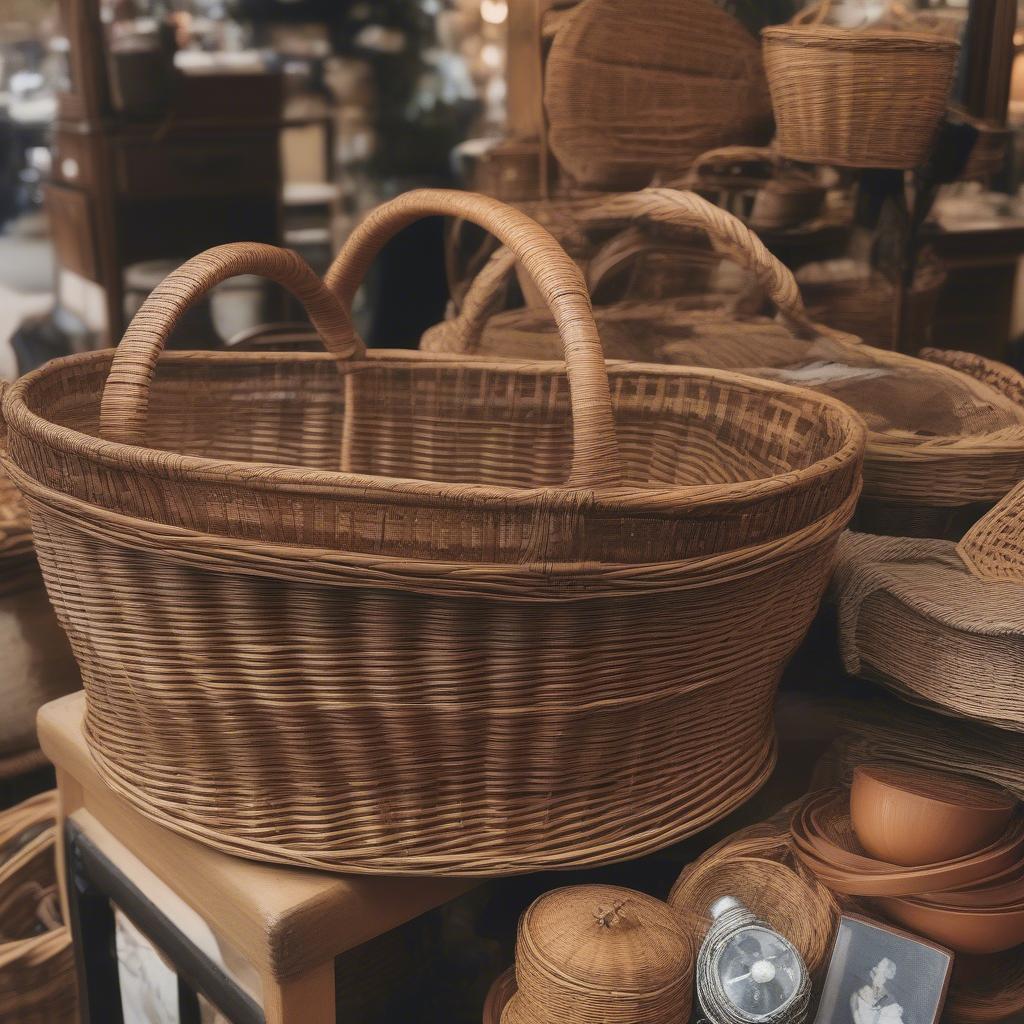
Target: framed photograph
[880, 975]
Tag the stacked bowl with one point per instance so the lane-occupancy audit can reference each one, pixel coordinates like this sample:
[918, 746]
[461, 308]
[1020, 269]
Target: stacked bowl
[937, 853]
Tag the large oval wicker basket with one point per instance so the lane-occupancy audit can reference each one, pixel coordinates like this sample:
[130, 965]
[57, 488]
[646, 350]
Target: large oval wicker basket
[405, 613]
[857, 97]
[37, 969]
[943, 445]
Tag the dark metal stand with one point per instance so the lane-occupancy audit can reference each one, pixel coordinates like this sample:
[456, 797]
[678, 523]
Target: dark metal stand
[94, 885]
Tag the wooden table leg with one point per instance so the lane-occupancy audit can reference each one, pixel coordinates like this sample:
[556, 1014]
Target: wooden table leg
[91, 920]
[307, 999]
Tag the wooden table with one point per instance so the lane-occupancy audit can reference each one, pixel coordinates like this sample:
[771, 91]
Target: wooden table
[289, 924]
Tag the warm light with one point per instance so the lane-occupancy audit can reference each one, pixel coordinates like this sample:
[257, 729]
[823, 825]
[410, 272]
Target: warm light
[491, 55]
[494, 12]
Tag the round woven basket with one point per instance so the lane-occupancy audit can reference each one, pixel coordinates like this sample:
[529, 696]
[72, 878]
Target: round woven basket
[598, 953]
[693, 81]
[759, 868]
[37, 971]
[943, 446]
[364, 614]
[857, 97]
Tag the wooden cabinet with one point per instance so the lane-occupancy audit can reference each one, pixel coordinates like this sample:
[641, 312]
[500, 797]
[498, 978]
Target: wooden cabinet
[73, 228]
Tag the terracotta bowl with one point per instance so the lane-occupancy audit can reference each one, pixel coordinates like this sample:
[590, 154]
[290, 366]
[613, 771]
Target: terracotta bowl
[912, 817]
[962, 931]
[824, 840]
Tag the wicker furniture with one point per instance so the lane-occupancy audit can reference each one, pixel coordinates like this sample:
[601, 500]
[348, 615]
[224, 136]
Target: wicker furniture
[37, 979]
[592, 953]
[942, 447]
[414, 652]
[856, 97]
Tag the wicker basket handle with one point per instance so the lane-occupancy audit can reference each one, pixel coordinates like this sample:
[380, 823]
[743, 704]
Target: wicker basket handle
[729, 236]
[595, 452]
[125, 401]
[725, 155]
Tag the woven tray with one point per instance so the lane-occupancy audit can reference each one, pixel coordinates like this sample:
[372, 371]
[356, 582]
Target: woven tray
[918, 616]
[405, 587]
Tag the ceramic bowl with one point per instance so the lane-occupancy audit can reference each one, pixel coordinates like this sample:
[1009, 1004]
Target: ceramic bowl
[913, 818]
[959, 930]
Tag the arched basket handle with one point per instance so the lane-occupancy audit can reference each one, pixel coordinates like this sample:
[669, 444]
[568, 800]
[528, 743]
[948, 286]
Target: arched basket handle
[124, 405]
[729, 237]
[595, 452]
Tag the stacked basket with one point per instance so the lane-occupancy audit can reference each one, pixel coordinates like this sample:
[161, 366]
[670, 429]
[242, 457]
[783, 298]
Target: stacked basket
[37, 976]
[405, 613]
[943, 446]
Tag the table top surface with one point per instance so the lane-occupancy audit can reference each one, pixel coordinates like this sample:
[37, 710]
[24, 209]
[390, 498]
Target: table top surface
[283, 919]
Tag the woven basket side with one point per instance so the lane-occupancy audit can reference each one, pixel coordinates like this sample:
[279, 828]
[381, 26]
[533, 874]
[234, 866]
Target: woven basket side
[693, 81]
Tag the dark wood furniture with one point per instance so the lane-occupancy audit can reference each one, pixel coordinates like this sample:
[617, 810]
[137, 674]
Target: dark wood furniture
[206, 171]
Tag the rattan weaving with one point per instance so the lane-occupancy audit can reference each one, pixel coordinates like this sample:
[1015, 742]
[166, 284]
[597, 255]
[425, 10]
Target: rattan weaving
[857, 97]
[37, 973]
[350, 614]
[759, 868]
[501, 991]
[912, 616]
[600, 954]
[852, 297]
[693, 80]
[942, 446]
[37, 664]
[754, 184]
[986, 989]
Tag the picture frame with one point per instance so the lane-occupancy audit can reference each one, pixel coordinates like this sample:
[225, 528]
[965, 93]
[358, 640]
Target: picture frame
[881, 975]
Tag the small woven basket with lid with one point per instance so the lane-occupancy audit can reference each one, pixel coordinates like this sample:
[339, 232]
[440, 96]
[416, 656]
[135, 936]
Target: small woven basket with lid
[599, 953]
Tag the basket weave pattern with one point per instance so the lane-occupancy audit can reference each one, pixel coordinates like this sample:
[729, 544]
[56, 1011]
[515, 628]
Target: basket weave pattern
[382, 614]
[37, 973]
[856, 98]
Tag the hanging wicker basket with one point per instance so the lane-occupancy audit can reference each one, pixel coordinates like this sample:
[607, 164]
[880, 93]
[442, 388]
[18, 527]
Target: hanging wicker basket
[37, 970]
[943, 446]
[856, 97]
[380, 611]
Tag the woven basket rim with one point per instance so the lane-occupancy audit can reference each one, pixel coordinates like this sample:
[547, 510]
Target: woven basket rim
[595, 580]
[276, 477]
[840, 39]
